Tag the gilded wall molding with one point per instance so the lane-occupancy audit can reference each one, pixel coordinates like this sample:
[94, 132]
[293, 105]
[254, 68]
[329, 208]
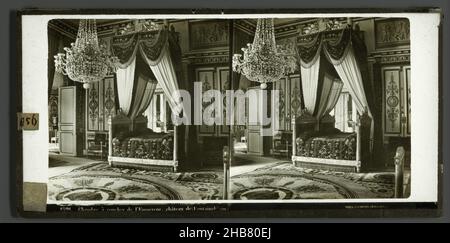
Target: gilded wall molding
[390, 56]
[210, 57]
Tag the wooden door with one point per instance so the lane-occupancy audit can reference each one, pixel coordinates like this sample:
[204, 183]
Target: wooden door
[255, 142]
[67, 120]
[208, 78]
[392, 101]
[214, 78]
[396, 97]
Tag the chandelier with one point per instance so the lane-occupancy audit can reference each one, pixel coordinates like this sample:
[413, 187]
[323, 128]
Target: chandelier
[86, 61]
[264, 61]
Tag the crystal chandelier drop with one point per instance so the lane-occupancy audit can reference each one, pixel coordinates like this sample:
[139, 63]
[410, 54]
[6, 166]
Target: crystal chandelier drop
[264, 61]
[86, 61]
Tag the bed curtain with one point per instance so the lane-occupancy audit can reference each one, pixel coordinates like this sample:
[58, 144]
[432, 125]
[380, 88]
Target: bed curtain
[320, 83]
[345, 50]
[155, 50]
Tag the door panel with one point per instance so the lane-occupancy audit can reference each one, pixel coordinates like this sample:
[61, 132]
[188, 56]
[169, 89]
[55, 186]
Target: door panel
[397, 101]
[296, 108]
[407, 99]
[67, 123]
[223, 77]
[254, 142]
[281, 107]
[392, 99]
[254, 138]
[213, 78]
[206, 76]
[67, 98]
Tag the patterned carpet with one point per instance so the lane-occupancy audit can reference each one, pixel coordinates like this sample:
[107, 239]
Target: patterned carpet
[101, 182]
[285, 181]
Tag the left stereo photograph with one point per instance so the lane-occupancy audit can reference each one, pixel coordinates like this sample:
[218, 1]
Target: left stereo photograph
[112, 87]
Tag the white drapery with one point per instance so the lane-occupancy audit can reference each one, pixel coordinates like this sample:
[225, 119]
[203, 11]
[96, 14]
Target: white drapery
[144, 91]
[125, 83]
[333, 98]
[349, 72]
[310, 82]
[148, 96]
[164, 72]
[331, 89]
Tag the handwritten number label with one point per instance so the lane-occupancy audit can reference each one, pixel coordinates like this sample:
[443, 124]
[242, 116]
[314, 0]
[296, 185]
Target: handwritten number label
[28, 121]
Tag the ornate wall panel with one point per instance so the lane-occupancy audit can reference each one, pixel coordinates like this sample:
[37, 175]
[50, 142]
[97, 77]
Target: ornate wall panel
[216, 78]
[397, 101]
[208, 34]
[289, 44]
[295, 95]
[392, 101]
[391, 32]
[289, 101]
[282, 105]
[224, 81]
[100, 104]
[207, 77]
[93, 107]
[109, 99]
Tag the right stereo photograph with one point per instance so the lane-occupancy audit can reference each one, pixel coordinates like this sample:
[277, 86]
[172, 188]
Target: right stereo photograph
[327, 111]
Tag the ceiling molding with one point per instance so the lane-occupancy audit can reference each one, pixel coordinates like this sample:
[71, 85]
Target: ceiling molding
[63, 28]
[291, 29]
[284, 30]
[110, 29]
[246, 26]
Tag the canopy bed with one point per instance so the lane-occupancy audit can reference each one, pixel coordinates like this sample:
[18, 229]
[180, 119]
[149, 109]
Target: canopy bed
[330, 58]
[146, 59]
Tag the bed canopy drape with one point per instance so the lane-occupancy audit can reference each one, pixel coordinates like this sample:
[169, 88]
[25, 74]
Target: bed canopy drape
[320, 84]
[341, 54]
[143, 90]
[344, 51]
[338, 48]
[145, 60]
[135, 86]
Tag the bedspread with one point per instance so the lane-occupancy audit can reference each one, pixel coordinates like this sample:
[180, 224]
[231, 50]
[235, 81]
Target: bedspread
[156, 147]
[339, 146]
